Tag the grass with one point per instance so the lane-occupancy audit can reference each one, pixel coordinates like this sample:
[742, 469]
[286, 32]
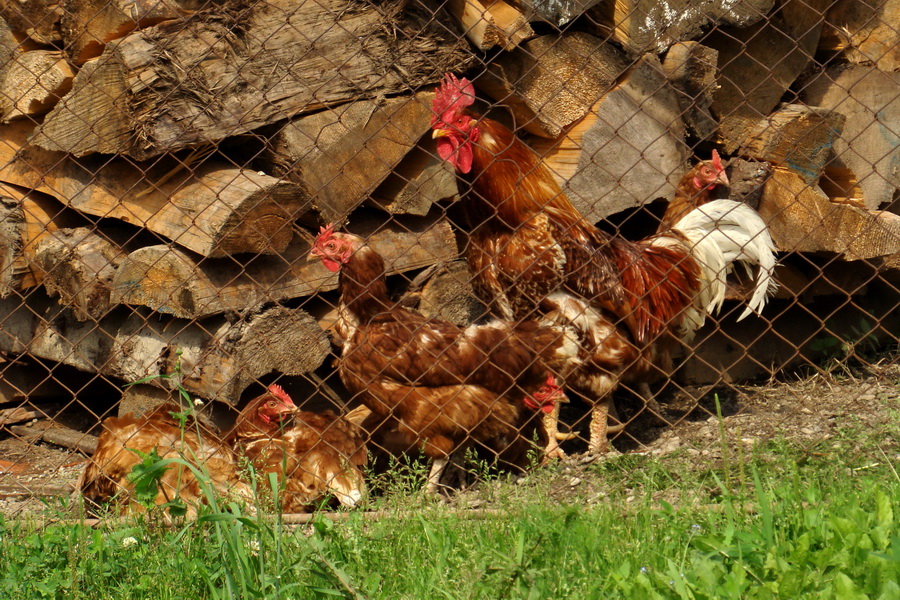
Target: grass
[782, 522]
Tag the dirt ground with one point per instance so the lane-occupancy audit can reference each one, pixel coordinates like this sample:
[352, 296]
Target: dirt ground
[805, 411]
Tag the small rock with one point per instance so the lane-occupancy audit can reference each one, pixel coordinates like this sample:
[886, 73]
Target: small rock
[574, 481]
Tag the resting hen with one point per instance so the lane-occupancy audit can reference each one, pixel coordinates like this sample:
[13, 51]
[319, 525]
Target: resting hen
[693, 190]
[532, 253]
[432, 385]
[126, 440]
[322, 454]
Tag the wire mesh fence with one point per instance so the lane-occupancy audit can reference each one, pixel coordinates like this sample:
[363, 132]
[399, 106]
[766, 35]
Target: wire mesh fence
[538, 257]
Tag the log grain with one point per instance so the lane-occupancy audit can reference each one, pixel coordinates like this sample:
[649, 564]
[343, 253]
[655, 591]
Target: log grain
[217, 358]
[88, 25]
[691, 68]
[552, 81]
[759, 63]
[491, 23]
[33, 80]
[221, 73]
[867, 97]
[801, 218]
[865, 32]
[797, 136]
[37, 19]
[174, 282]
[417, 183]
[340, 155]
[26, 218]
[628, 151]
[215, 210]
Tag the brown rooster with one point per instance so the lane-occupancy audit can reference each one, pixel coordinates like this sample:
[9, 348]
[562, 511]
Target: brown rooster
[432, 385]
[126, 440]
[531, 252]
[321, 453]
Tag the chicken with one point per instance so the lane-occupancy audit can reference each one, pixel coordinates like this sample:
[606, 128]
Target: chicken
[126, 440]
[323, 455]
[432, 385]
[532, 254]
[693, 190]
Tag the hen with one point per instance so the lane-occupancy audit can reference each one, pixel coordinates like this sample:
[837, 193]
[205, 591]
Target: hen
[532, 253]
[432, 385]
[126, 440]
[322, 455]
[693, 190]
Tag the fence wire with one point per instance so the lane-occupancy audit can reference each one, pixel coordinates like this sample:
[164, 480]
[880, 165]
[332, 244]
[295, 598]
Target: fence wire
[168, 173]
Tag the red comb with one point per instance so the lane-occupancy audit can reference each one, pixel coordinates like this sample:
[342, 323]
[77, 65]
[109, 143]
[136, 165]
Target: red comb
[453, 94]
[277, 391]
[325, 232]
[717, 162]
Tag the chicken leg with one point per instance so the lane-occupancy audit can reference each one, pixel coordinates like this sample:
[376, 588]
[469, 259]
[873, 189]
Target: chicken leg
[434, 476]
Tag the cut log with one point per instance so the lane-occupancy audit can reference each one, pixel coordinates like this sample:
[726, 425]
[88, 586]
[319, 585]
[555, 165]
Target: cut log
[38, 19]
[796, 136]
[341, 155]
[33, 81]
[552, 81]
[217, 358]
[841, 186]
[759, 63]
[216, 210]
[491, 23]
[191, 82]
[87, 25]
[691, 69]
[868, 98]
[557, 12]
[448, 295]
[801, 218]
[417, 183]
[11, 416]
[156, 276]
[174, 282]
[865, 31]
[628, 151]
[54, 433]
[78, 266]
[654, 25]
[26, 218]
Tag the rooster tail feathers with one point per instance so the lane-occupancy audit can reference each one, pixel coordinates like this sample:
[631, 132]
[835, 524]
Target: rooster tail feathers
[722, 233]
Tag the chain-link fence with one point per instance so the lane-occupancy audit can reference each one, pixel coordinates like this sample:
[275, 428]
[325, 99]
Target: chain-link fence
[166, 167]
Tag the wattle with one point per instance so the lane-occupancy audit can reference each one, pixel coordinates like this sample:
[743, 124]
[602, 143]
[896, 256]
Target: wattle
[332, 265]
[457, 154]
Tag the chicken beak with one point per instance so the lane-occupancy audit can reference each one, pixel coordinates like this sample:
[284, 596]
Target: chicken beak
[722, 178]
[438, 133]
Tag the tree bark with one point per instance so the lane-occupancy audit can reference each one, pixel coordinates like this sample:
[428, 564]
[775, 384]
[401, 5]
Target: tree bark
[198, 80]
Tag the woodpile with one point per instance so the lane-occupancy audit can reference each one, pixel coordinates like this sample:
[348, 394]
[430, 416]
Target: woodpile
[165, 165]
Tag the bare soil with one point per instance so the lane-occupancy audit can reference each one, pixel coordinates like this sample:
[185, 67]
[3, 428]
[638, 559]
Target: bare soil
[807, 412]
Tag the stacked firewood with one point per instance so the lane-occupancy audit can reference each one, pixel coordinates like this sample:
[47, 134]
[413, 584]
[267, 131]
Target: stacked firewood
[164, 165]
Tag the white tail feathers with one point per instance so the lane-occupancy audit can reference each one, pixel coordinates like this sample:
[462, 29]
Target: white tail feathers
[724, 232]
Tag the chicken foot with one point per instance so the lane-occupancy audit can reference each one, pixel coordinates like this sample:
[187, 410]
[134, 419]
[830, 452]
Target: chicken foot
[432, 487]
[600, 427]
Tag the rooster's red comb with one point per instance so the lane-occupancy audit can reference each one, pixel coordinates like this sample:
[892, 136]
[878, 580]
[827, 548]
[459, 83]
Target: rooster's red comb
[453, 94]
[325, 233]
[717, 162]
[278, 391]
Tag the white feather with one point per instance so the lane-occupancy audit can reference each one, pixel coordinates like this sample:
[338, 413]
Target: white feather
[723, 232]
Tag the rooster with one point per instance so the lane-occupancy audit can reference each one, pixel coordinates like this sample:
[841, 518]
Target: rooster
[432, 385]
[322, 453]
[533, 254]
[126, 441]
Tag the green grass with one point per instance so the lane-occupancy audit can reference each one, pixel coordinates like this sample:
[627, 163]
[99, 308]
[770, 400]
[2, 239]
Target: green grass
[783, 522]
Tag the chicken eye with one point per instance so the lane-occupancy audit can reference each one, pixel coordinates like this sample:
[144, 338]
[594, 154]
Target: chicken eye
[271, 404]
